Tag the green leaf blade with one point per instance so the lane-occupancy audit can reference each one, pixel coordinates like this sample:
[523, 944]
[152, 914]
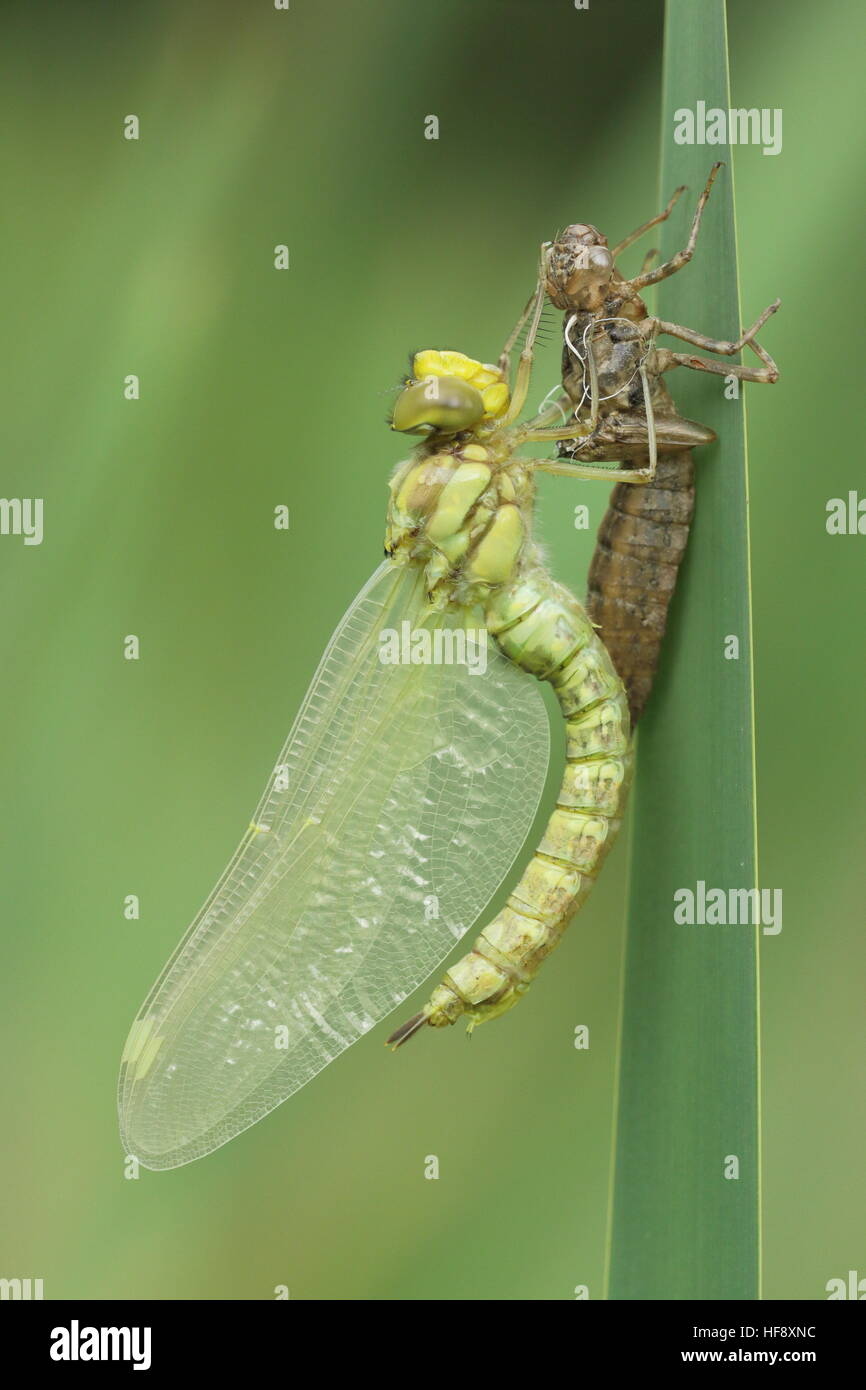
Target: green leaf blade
[688, 1097]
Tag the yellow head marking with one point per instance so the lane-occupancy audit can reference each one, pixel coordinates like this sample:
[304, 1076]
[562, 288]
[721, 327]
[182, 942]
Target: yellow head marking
[487, 379]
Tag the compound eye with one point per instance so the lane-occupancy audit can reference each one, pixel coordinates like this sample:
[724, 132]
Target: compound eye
[600, 259]
[444, 403]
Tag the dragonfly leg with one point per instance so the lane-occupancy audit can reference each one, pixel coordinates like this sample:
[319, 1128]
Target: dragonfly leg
[524, 366]
[560, 468]
[769, 373]
[534, 432]
[530, 435]
[559, 408]
[589, 367]
[563, 469]
[653, 222]
[652, 277]
[504, 360]
[553, 436]
[720, 345]
[650, 425]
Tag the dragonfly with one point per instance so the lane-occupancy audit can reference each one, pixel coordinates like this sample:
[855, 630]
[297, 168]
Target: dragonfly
[613, 377]
[406, 788]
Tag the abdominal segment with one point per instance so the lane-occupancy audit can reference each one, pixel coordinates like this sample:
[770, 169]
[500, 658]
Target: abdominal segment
[641, 542]
[543, 628]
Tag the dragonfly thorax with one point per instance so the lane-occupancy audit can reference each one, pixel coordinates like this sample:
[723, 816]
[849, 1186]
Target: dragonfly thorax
[463, 512]
[461, 505]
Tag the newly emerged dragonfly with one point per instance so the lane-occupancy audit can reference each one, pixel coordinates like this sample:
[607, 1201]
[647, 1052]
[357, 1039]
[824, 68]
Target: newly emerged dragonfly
[613, 374]
[404, 792]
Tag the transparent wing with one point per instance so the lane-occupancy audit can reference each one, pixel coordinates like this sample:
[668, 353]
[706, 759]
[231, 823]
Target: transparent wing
[399, 802]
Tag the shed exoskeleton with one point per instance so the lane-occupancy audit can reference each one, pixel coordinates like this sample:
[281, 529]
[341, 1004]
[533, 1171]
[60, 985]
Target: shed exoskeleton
[613, 379]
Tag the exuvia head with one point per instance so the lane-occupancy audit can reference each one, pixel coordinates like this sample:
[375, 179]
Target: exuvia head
[579, 268]
[448, 393]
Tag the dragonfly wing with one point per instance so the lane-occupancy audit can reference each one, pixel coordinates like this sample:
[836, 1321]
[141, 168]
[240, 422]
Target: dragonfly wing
[399, 802]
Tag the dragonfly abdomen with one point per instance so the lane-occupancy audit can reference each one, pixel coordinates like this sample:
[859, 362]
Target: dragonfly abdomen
[543, 628]
[641, 542]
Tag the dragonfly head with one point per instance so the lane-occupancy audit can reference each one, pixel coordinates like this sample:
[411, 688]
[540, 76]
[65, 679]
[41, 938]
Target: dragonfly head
[448, 392]
[579, 269]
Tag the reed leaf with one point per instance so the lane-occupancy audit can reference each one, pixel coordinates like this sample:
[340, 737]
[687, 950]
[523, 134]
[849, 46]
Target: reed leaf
[682, 1225]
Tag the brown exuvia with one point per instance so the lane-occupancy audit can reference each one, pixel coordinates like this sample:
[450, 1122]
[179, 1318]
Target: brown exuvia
[612, 369]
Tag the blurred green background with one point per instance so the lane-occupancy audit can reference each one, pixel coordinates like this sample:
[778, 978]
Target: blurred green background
[258, 387]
